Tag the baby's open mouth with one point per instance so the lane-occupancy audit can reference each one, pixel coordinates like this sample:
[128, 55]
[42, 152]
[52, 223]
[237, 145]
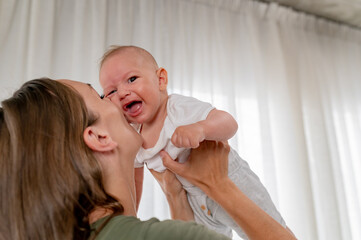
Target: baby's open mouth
[132, 107]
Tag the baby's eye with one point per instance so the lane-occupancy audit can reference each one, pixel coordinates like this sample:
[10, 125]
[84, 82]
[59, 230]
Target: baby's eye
[110, 93]
[132, 79]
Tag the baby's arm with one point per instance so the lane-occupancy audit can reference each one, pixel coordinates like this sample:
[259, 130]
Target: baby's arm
[138, 177]
[218, 126]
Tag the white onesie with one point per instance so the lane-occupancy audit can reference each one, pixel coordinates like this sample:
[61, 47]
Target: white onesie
[183, 110]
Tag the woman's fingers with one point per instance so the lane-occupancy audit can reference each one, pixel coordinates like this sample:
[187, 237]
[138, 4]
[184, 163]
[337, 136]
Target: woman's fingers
[172, 165]
[206, 166]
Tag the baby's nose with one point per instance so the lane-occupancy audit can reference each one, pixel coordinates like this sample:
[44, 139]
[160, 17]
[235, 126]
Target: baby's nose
[123, 93]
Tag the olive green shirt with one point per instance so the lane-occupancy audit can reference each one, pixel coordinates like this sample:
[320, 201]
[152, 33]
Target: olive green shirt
[131, 228]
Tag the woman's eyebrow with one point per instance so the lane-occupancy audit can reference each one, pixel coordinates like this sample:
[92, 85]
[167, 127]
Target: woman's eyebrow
[91, 87]
[101, 95]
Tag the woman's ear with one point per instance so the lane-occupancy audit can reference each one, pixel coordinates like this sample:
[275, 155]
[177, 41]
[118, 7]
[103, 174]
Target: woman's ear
[97, 140]
[162, 78]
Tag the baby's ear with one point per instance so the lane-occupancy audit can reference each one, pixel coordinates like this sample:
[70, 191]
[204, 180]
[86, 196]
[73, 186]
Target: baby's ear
[162, 78]
[98, 140]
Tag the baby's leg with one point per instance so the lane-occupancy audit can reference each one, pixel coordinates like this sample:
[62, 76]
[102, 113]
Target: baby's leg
[248, 182]
[203, 212]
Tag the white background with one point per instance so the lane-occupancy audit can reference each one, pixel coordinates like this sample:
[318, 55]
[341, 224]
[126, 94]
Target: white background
[292, 82]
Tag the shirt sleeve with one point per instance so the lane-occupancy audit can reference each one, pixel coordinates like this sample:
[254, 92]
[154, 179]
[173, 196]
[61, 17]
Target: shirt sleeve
[184, 110]
[137, 164]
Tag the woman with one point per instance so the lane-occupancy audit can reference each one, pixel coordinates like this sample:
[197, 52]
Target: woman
[50, 179]
[67, 172]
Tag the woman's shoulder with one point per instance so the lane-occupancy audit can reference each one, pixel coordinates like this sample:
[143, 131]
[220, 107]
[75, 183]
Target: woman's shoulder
[119, 227]
[127, 227]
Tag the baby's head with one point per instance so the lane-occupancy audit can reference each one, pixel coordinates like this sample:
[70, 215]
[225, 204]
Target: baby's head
[130, 78]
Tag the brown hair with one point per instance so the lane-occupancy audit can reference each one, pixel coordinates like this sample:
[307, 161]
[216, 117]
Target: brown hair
[49, 179]
[115, 49]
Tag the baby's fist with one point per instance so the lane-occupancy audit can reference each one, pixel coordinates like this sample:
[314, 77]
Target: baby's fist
[188, 136]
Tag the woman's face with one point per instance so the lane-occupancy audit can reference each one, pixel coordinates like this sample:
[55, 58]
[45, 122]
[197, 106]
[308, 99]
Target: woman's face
[111, 120]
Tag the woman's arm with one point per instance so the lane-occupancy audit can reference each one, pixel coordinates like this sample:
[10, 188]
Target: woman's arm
[207, 168]
[176, 195]
[138, 179]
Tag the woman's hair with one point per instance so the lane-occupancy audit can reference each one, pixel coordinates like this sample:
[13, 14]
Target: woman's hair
[49, 178]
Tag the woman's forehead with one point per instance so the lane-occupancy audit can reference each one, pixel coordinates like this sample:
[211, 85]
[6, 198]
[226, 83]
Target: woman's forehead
[77, 86]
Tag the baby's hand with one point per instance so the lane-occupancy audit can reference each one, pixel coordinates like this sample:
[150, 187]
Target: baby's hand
[188, 136]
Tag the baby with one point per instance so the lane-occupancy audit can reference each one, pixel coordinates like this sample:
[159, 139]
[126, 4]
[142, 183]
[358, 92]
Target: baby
[131, 79]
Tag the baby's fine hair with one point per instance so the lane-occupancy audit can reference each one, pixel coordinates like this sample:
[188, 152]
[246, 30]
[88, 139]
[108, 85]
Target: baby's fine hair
[117, 49]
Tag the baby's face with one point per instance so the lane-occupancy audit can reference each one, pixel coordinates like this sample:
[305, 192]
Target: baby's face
[133, 84]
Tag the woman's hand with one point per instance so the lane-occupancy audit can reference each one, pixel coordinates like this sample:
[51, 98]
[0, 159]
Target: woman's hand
[207, 174]
[175, 194]
[207, 166]
[169, 183]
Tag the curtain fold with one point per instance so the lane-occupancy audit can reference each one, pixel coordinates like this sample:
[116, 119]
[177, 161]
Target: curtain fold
[291, 80]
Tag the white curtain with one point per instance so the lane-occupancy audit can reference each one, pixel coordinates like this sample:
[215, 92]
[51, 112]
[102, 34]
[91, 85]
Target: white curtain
[291, 80]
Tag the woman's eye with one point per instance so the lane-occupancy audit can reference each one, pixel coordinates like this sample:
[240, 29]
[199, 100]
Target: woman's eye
[132, 79]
